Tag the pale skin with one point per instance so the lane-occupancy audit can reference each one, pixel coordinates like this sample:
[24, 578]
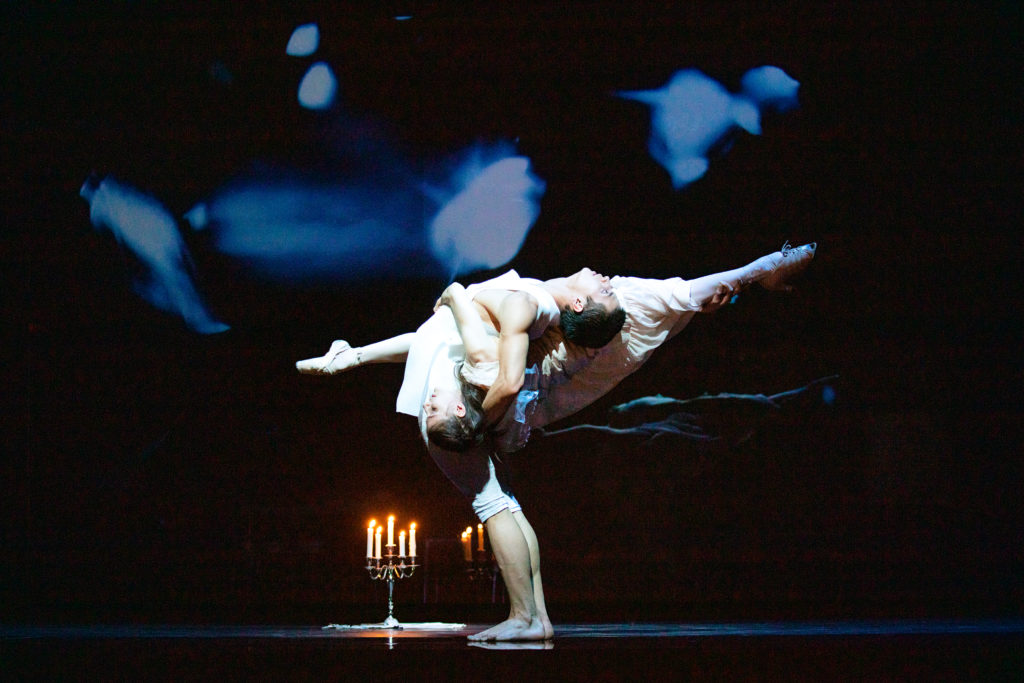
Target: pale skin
[511, 314]
[513, 541]
[474, 320]
[516, 315]
[517, 552]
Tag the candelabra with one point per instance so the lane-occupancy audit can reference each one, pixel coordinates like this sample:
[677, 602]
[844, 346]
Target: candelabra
[384, 564]
[388, 568]
[480, 565]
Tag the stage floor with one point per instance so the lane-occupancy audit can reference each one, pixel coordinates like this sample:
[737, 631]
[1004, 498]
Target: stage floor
[825, 650]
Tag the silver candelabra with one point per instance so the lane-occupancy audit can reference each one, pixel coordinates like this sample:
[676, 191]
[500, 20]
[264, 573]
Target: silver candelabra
[388, 568]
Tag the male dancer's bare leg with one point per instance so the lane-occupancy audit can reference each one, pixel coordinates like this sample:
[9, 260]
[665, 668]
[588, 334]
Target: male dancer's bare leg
[512, 553]
[341, 356]
[538, 587]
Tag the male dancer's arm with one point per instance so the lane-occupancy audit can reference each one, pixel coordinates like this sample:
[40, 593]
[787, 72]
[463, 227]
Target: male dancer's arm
[478, 343]
[515, 316]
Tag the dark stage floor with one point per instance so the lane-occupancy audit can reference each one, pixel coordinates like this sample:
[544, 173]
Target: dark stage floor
[825, 650]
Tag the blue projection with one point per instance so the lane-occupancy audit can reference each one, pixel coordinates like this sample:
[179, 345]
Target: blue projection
[387, 216]
[291, 229]
[294, 229]
[143, 226]
[318, 87]
[304, 41]
[483, 225]
[693, 115]
[298, 230]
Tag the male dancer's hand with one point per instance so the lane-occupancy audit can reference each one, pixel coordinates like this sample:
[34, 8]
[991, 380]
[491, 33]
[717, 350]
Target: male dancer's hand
[723, 295]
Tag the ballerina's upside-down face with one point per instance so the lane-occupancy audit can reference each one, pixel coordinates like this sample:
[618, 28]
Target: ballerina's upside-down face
[442, 404]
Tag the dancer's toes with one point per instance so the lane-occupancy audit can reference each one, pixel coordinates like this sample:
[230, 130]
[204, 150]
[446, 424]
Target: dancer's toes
[483, 636]
[789, 263]
[310, 366]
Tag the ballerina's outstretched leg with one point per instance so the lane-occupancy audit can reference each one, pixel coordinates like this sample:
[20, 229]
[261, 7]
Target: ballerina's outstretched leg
[343, 356]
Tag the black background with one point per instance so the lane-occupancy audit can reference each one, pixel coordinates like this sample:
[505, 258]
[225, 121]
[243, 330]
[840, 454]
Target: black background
[151, 472]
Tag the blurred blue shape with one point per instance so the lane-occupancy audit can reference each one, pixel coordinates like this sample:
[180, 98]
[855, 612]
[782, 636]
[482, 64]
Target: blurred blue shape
[693, 115]
[402, 10]
[770, 86]
[292, 228]
[143, 226]
[318, 87]
[828, 395]
[304, 41]
[485, 223]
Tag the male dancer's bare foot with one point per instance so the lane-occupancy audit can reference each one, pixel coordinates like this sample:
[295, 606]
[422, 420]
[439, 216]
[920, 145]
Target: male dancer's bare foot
[513, 629]
[339, 358]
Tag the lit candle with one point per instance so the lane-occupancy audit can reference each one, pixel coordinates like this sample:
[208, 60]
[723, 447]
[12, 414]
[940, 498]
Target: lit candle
[369, 538]
[480, 537]
[412, 540]
[467, 549]
[401, 543]
[391, 530]
[379, 529]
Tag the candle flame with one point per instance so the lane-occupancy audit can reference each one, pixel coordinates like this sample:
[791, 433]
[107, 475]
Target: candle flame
[373, 523]
[391, 518]
[413, 525]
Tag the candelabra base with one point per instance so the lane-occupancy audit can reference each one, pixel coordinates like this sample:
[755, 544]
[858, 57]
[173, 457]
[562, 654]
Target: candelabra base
[389, 623]
[415, 626]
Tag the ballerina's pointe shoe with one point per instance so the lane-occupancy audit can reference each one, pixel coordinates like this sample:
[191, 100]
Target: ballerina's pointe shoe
[339, 358]
[790, 262]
